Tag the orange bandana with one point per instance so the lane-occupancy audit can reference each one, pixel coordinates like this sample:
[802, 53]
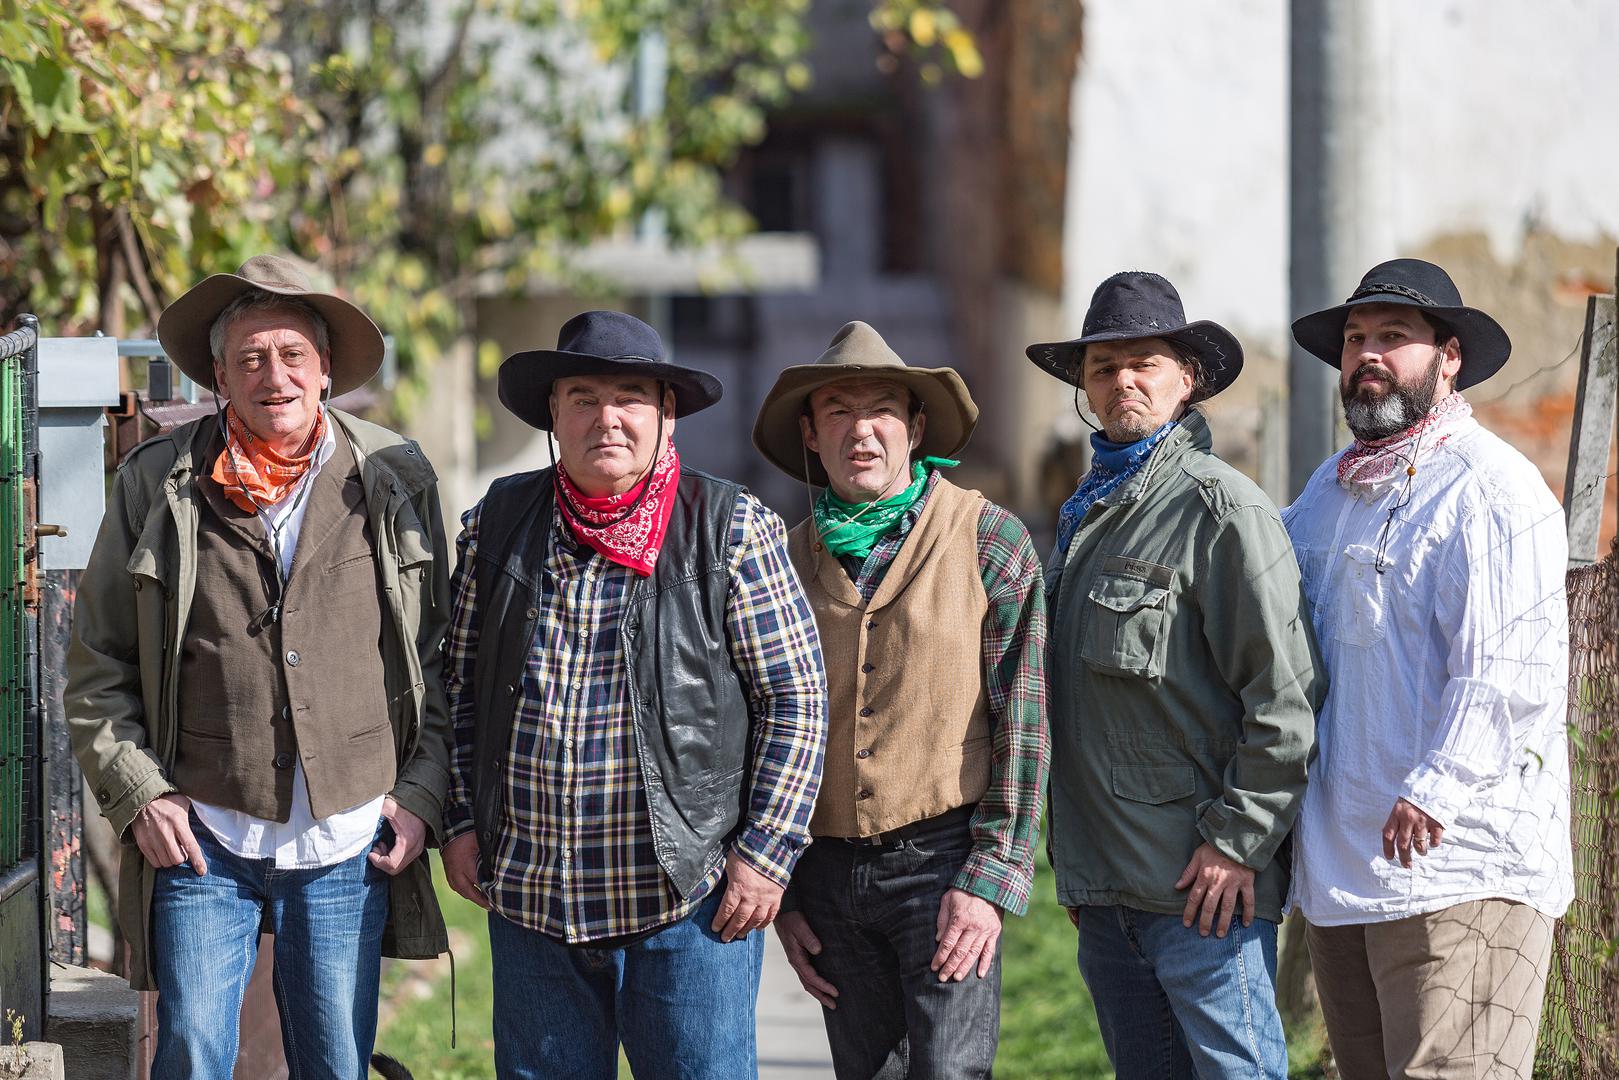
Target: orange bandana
[249, 470]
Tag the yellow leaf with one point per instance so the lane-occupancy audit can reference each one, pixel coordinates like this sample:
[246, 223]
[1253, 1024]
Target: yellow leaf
[433, 155]
[924, 27]
[964, 51]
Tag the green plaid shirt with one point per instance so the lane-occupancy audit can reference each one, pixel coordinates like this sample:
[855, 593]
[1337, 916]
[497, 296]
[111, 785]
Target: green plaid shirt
[1013, 648]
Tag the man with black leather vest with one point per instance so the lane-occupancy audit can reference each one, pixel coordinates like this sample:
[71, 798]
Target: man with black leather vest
[932, 618]
[639, 709]
[254, 685]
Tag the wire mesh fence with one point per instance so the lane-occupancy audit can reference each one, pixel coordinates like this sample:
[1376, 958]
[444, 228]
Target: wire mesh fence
[1580, 1032]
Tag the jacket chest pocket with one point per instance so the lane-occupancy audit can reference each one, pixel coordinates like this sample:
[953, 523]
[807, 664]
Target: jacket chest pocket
[1127, 618]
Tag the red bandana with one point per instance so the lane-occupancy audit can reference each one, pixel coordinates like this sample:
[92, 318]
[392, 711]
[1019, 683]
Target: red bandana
[253, 474]
[1367, 464]
[634, 540]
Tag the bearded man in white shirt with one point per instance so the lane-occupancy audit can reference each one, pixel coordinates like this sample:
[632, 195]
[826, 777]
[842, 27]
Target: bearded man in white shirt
[1433, 850]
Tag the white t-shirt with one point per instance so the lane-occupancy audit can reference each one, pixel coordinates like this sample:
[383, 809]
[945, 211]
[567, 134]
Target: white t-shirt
[302, 841]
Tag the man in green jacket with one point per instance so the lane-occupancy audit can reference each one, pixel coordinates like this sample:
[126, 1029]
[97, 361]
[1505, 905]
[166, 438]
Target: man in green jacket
[1183, 679]
[254, 687]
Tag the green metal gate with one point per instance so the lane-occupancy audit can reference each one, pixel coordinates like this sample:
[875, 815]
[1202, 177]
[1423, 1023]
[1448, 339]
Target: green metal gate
[22, 884]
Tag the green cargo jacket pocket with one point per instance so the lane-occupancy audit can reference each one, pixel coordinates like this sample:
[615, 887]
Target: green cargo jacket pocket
[1126, 628]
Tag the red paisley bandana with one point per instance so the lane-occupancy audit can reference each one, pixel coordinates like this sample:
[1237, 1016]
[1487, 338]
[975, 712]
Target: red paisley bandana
[1367, 464]
[634, 540]
[249, 470]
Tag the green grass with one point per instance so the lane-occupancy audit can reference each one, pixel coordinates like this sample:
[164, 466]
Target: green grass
[1048, 1027]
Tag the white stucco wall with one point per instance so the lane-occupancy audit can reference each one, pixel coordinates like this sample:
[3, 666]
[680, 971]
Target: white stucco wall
[1502, 116]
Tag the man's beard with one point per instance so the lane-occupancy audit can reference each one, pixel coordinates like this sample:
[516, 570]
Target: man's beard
[1397, 409]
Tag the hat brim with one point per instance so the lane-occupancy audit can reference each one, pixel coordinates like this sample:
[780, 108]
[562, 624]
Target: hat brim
[526, 379]
[1217, 350]
[1485, 345]
[355, 343]
[950, 411]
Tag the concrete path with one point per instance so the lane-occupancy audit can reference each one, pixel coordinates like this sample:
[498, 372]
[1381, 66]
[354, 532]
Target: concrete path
[792, 1040]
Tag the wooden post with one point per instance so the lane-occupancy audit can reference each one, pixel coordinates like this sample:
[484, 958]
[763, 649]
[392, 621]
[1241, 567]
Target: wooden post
[1595, 406]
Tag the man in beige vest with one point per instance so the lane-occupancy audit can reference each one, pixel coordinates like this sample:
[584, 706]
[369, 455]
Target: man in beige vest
[932, 623]
[254, 686]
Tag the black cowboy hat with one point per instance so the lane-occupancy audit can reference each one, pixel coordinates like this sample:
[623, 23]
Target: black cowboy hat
[1418, 284]
[1136, 304]
[608, 343]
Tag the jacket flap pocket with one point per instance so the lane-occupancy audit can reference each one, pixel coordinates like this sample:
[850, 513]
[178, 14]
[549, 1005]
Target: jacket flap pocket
[1125, 594]
[410, 537]
[1154, 783]
[146, 560]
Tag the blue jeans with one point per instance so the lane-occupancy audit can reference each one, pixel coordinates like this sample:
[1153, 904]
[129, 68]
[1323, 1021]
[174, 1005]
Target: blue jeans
[876, 910]
[1173, 1003]
[328, 952]
[681, 1002]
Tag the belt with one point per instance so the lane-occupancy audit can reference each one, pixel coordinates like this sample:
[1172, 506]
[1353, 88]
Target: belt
[960, 816]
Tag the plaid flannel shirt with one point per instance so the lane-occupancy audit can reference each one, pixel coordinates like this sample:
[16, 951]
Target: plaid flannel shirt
[1013, 648]
[574, 857]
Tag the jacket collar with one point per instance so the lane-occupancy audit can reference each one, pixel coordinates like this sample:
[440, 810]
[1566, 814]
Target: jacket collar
[1191, 435]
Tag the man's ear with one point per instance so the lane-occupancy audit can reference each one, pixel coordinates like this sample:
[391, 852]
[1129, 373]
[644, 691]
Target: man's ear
[1451, 366]
[806, 429]
[919, 424]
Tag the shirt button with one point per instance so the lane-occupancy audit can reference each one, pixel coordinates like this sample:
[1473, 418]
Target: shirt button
[866, 711]
[578, 684]
[567, 853]
[863, 752]
[567, 800]
[292, 657]
[283, 760]
[568, 742]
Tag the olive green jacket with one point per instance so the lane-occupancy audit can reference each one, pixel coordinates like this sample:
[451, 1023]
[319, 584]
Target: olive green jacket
[129, 623]
[1184, 678]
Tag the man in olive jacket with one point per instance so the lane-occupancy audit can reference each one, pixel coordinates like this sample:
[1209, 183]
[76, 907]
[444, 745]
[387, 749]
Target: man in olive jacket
[1183, 679]
[254, 688]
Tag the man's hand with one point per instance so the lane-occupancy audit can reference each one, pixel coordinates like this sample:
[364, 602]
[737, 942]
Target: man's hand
[1217, 882]
[461, 868]
[410, 838]
[1409, 830]
[750, 903]
[163, 832]
[968, 929]
[799, 942]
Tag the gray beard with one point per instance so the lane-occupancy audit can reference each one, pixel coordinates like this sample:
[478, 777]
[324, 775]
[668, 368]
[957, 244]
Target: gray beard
[1399, 408]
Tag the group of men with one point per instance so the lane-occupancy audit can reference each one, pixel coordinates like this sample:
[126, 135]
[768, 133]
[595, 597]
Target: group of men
[643, 720]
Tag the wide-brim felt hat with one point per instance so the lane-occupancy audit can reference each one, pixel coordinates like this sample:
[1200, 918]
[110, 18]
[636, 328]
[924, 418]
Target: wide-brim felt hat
[858, 352]
[1412, 283]
[1136, 304]
[599, 343]
[355, 342]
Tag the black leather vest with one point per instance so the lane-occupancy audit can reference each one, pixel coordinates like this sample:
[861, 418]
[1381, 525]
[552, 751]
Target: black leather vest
[688, 707]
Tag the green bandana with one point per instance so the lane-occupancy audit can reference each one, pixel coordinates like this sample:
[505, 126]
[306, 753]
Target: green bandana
[854, 528]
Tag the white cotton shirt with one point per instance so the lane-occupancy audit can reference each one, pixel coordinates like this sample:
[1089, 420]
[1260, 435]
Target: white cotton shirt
[302, 841]
[1447, 685]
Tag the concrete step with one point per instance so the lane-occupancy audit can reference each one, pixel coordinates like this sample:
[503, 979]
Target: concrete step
[44, 1062]
[94, 1017]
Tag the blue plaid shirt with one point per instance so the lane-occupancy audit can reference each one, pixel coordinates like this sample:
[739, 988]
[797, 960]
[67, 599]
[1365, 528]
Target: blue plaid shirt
[574, 856]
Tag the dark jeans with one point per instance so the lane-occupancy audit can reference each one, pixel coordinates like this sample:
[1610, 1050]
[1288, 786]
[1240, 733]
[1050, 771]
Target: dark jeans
[876, 911]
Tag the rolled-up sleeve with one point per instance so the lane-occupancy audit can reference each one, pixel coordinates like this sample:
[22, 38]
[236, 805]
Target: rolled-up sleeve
[776, 652]
[1503, 610]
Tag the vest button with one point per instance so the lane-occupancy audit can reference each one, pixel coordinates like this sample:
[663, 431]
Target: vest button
[867, 668]
[863, 752]
[286, 712]
[863, 794]
[533, 613]
[292, 657]
[866, 711]
[871, 625]
[283, 760]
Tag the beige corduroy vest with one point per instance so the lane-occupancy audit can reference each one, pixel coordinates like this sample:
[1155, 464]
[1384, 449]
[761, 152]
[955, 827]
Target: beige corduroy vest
[908, 733]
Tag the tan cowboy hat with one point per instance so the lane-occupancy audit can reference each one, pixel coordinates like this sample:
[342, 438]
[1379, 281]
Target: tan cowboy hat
[356, 343]
[859, 352]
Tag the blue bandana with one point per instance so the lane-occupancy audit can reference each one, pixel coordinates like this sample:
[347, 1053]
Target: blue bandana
[1111, 465]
